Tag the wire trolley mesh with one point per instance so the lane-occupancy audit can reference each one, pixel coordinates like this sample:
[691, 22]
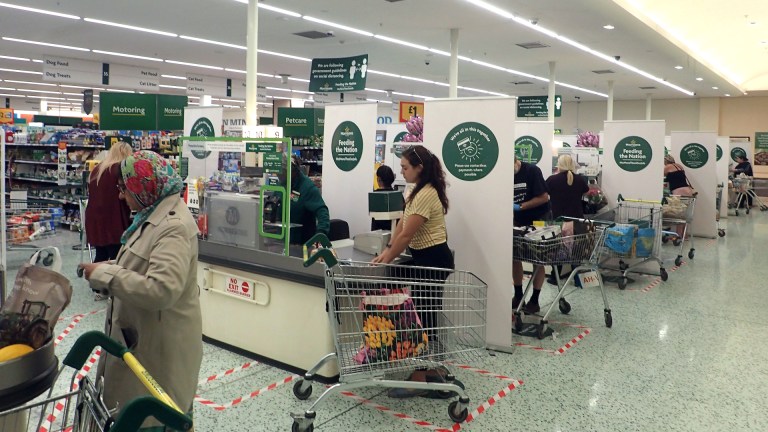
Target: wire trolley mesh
[636, 232]
[560, 250]
[394, 318]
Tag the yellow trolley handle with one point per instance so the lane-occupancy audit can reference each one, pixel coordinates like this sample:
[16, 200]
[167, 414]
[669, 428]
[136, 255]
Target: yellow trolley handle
[622, 199]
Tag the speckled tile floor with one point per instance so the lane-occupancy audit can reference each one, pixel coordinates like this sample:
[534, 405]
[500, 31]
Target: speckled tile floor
[683, 355]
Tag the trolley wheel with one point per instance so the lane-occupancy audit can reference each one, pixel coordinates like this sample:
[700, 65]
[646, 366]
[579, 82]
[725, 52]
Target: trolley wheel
[623, 266]
[677, 241]
[608, 319]
[301, 395]
[691, 253]
[542, 327]
[297, 428]
[679, 260]
[665, 239]
[721, 232]
[518, 322]
[48, 260]
[456, 415]
[664, 275]
[565, 307]
[763, 208]
[623, 282]
[80, 272]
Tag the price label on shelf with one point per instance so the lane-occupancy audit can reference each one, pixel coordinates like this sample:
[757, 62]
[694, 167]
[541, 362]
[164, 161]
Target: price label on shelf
[410, 109]
[61, 177]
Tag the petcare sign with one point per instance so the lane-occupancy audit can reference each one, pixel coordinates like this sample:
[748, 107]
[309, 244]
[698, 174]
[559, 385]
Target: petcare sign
[239, 287]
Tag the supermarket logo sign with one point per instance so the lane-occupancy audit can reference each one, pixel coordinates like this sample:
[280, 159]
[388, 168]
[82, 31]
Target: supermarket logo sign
[296, 121]
[172, 112]
[128, 111]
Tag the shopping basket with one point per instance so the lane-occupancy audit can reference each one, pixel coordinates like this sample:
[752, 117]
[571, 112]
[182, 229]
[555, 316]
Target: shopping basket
[393, 319]
[81, 409]
[578, 250]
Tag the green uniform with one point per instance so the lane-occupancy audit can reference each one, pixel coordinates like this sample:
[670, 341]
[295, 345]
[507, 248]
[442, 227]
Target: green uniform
[308, 209]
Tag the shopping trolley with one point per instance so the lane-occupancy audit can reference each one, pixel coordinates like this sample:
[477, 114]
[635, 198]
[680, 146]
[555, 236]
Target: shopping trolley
[718, 203]
[393, 319]
[684, 218]
[82, 408]
[578, 250]
[83, 204]
[643, 218]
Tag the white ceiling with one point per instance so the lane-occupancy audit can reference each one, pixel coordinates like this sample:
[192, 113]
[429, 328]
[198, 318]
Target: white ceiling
[484, 36]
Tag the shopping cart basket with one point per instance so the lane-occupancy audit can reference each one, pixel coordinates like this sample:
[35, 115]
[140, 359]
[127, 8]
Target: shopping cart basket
[83, 204]
[82, 409]
[718, 203]
[578, 250]
[392, 319]
[634, 239]
[682, 216]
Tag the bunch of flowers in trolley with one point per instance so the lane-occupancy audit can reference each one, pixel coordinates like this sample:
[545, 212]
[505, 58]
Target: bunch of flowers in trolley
[587, 139]
[392, 329]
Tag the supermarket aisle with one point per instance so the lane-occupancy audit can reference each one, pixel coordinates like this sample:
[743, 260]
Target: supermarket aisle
[681, 356]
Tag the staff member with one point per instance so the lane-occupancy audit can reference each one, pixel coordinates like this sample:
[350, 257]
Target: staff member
[307, 205]
[531, 203]
[384, 178]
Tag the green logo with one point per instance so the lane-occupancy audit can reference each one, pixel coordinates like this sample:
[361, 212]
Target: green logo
[694, 155]
[719, 152]
[633, 154]
[470, 151]
[399, 138]
[201, 128]
[347, 146]
[565, 144]
[738, 152]
[528, 149]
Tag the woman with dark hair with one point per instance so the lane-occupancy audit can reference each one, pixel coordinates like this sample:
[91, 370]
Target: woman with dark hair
[422, 229]
[384, 178]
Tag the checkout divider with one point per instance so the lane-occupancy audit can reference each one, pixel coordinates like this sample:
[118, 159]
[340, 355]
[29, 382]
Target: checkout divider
[696, 152]
[722, 158]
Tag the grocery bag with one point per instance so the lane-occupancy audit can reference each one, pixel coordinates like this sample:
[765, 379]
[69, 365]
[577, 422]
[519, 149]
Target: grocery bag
[645, 241]
[620, 238]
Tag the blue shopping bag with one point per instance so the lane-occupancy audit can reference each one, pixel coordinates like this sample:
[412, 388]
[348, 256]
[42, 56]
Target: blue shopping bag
[645, 240]
[620, 238]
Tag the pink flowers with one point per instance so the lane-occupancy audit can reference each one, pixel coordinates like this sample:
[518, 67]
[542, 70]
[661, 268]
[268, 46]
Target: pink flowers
[587, 139]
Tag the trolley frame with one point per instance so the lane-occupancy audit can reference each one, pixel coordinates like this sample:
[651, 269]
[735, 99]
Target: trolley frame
[685, 222]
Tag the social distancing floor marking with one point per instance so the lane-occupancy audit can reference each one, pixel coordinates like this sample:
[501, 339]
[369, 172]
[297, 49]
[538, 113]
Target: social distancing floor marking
[59, 406]
[221, 407]
[585, 331]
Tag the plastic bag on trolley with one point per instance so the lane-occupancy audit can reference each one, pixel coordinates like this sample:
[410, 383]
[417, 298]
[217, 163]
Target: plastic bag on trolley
[620, 238]
[674, 208]
[646, 237]
[391, 326]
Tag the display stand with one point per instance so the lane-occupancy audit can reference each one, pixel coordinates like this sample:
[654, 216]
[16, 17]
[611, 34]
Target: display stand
[696, 152]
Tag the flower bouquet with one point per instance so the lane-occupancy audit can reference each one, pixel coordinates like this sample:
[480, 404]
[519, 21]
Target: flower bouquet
[587, 139]
[415, 127]
[594, 200]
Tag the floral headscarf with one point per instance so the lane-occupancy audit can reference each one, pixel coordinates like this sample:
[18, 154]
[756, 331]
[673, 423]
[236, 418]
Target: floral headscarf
[149, 178]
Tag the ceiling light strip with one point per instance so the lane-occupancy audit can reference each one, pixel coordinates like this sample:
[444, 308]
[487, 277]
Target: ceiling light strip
[338, 26]
[20, 71]
[213, 42]
[275, 9]
[13, 58]
[40, 11]
[130, 27]
[194, 65]
[46, 44]
[134, 56]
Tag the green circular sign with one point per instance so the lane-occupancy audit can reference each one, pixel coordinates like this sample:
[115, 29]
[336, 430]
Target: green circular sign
[719, 152]
[633, 154]
[565, 144]
[399, 137]
[399, 149]
[737, 152]
[201, 128]
[470, 151]
[347, 146]
[528, 149]
[694, 155]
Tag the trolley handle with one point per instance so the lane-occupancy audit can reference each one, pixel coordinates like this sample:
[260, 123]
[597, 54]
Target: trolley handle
[85, 344]
[325, 251]
[136, 411]
[621, 198]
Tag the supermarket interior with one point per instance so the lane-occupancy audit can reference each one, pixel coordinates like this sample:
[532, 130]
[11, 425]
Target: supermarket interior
[383, 215]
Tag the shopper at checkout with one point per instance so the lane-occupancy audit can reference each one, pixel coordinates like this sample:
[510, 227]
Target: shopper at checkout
[531, 203]
[385, 177]
[307, 206]
[678, 184]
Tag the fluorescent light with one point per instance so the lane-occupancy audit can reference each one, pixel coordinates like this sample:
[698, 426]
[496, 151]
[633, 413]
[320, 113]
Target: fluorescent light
[128, 55]
[37, 91]
[12, 95]
[213, 42]
[481, 91]
[7, 88]
[276, 9]
[491, 8]
[21, 71]
[80, 87]
[14, 58]
[120, 91]
[608, 27]
[45, 97]
[375, 90]
[715, 88]
[41, 11]
[285, 55]
[278, 89]
[174, 77]
[727, 95]
[581, 89]
[73, 94]
[235, 70]
[699, 79]
[194, 65]
[46, 44]
[230, 100]
[298, 79]
[129, 27]
[37, 61]
[437, 51]
[376, 72]
[30, 82]
[173, 87]
[678, 67]
[193, 103]
[401, 42]
[338, 26]
[267, 75]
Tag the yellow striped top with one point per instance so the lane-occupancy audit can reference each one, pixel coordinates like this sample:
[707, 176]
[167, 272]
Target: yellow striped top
[427, 205]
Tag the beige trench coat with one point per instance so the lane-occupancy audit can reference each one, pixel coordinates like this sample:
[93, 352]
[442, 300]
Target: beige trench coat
[155, 307]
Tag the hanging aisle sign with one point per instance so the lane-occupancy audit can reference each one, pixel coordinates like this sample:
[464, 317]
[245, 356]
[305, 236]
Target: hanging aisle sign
[338, 74]
[71, 71]
[206, 85]
[696, 151]
[536, 106]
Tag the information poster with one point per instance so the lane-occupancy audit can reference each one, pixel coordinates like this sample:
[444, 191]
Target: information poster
[697, 153]
[633, 160]
[338, 74]
[533, 144]
[761, 148]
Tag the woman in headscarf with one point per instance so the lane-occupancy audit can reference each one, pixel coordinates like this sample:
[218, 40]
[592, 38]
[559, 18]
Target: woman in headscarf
[155, 307]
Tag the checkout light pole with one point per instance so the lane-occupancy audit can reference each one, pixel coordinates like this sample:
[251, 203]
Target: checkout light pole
[251, 60]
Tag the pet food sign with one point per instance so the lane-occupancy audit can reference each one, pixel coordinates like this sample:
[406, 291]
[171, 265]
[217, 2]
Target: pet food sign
[240, 287]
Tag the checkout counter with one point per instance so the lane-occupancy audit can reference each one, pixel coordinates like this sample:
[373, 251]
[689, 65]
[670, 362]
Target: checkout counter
[256, 296]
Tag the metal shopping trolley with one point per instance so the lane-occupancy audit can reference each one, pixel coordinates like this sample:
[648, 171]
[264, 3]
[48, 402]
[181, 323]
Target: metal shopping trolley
[83, 204]
[393, 319]
[743, 193]
[82, 408]
[578, 250]
[682, 216]
[718, 203]
[634, 239]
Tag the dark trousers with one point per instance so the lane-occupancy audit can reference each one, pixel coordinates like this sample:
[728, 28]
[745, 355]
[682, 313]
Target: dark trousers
[106, 253]
[428, 299]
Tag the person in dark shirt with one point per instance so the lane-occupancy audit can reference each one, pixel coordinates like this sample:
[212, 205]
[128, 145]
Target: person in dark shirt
[307, 205]
[566, 189]
[743, 167]
[531, 203]
[384, 177]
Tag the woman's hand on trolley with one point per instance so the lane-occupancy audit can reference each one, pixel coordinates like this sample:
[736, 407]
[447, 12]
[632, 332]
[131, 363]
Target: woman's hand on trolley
[88, 269]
